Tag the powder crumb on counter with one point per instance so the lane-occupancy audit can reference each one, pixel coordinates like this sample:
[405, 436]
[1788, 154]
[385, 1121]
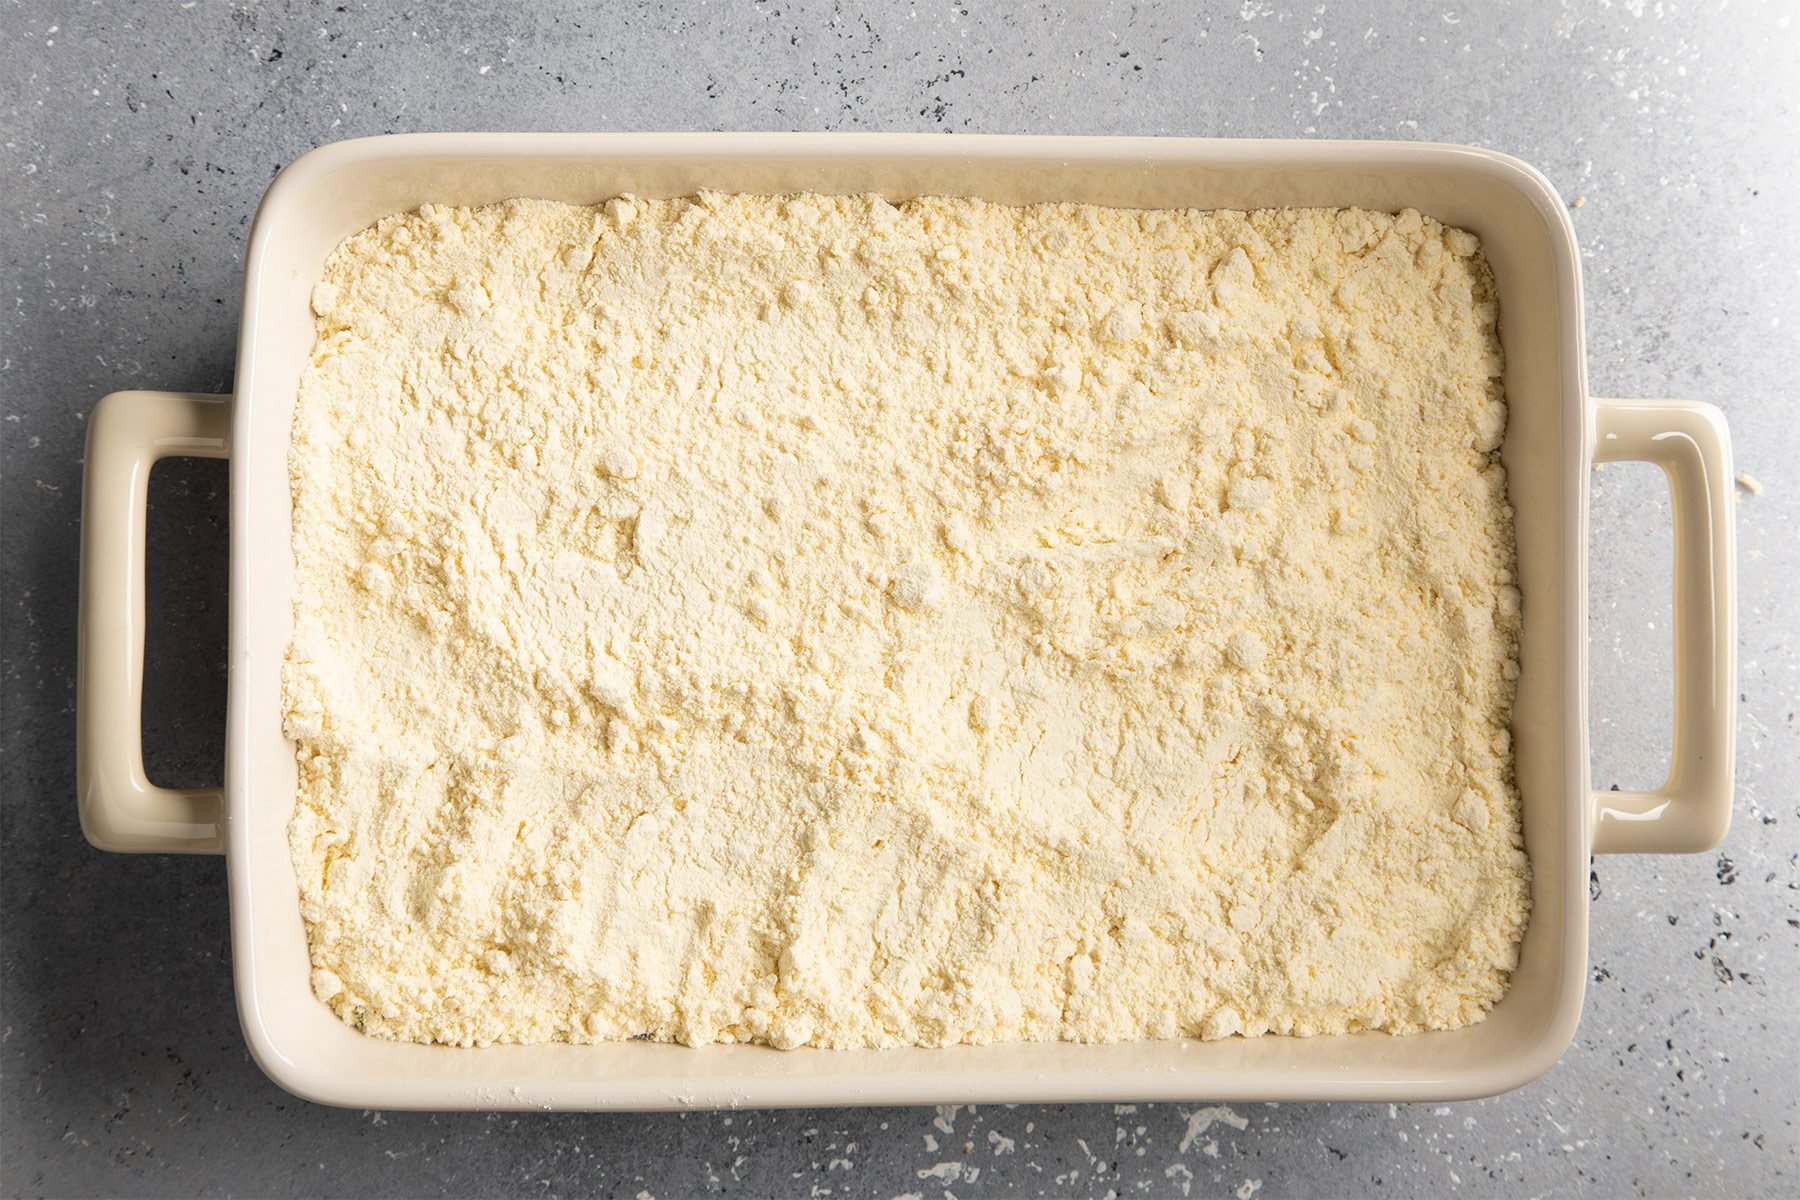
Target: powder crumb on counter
[1750, 483]
[825, 621]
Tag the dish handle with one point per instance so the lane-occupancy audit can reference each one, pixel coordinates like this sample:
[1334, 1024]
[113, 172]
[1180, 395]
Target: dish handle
[120, 808]
[1691, 811]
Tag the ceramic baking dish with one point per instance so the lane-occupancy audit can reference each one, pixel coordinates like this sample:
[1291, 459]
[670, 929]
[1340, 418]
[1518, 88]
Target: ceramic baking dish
[1556, 433]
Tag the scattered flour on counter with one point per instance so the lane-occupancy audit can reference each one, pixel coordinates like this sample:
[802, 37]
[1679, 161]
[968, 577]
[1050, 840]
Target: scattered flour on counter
[821, 621]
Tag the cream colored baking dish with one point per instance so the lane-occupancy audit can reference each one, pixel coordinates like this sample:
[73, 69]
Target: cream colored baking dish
[1556, 432]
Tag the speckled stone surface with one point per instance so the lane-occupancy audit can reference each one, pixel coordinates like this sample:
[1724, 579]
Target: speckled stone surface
[136, 142]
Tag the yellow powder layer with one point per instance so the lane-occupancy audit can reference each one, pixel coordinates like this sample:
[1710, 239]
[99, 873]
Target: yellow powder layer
[819, 621]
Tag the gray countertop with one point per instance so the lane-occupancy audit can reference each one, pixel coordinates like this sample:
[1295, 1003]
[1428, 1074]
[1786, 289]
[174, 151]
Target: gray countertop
[137, 140]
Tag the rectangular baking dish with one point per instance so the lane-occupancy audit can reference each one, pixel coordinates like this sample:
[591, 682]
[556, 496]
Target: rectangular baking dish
[1556, 433]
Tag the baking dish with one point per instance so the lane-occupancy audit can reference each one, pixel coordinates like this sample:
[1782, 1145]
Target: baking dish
[1556, 432]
